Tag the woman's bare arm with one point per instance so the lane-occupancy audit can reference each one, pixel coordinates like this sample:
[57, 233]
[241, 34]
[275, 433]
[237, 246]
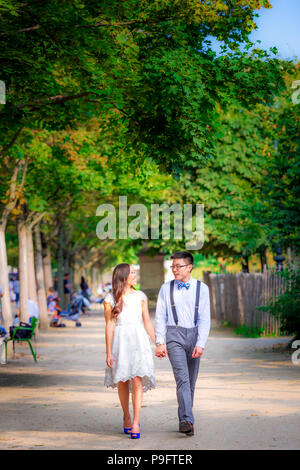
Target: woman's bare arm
[109, 331]
[147, 321]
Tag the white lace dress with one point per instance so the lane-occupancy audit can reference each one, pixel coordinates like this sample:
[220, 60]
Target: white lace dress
[131, 350]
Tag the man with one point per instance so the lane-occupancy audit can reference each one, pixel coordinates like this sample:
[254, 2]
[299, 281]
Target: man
[182, 324]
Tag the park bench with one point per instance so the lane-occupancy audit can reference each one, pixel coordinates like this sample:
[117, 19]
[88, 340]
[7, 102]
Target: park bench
[14, 336]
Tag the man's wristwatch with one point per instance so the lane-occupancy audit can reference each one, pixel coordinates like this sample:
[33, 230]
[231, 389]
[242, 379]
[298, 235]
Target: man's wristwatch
[159, 344]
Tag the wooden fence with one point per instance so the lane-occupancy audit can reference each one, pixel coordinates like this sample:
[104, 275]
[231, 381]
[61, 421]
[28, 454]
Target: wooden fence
[233, 298]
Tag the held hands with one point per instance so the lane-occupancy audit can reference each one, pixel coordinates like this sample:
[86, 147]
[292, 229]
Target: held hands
[161, 351]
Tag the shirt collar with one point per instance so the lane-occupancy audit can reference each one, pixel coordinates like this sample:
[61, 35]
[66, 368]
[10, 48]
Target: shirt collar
[191, 279]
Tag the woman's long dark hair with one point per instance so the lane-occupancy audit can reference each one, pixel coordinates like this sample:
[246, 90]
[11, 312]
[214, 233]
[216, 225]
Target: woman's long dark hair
[119, 283]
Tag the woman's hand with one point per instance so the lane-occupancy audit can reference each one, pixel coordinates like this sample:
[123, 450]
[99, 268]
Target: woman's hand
[109, 360]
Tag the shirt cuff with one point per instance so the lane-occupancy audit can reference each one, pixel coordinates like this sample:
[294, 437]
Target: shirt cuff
[160, 339]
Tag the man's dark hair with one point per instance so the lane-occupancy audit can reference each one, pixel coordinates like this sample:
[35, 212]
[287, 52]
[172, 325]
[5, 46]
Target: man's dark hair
[183, 255]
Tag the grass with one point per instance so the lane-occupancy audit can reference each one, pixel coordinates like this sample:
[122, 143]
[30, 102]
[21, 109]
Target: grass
[249, 331]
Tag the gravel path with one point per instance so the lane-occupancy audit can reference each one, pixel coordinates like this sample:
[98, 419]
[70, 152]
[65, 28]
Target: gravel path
[247, 396]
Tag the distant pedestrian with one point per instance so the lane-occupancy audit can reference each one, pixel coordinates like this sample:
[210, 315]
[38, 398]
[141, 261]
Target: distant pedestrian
[12, 295]
[67, 288]
[16, 289]
[84, 288]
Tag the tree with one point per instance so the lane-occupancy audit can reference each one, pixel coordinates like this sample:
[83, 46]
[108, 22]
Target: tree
[10, 190]
[151, 61]
[286, 306]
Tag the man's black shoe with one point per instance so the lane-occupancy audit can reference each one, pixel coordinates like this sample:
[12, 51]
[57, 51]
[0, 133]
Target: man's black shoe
[186, 428]
[191, 433]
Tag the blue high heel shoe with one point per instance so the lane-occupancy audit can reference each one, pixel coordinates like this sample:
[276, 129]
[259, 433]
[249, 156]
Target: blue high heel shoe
[126, 430]
[135, 435]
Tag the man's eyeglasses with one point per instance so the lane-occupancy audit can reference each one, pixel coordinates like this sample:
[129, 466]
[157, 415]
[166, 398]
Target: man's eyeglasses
[178, 266]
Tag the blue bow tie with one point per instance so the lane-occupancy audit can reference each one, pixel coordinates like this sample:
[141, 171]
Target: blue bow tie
[183, 284]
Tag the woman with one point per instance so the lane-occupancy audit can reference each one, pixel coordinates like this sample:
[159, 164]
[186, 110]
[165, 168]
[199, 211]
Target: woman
[129, 360]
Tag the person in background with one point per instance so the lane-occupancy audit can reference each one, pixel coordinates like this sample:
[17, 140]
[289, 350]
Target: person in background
[3, 334]
[78, 305]
[1, 295]
[67, 288]
[100, 290]
[53, 308]
[33, 311]
[16, 289]
[84, 288]
[12, 295]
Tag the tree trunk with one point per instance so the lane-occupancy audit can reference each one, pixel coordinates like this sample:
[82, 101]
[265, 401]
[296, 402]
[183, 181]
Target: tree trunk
[23, 272]
[94, 285]
[14, 192]
[67, 271]
[32, 288]
[263, 259]
[5, 300]
[295, 258]
[48, 279]
[75, 274]
[245, 264]
[40, 279]
[72, 273]
[60, 266]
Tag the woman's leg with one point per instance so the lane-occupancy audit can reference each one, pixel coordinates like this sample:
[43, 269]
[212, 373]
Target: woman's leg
[137, 399]
[123, 391]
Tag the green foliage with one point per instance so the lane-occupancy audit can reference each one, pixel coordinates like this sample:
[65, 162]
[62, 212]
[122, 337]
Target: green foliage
[128, 98]
[287, 305]
[65, 62]
[248, 331]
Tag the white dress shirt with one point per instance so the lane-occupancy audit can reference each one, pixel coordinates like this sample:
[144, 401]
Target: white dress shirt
[184, 300]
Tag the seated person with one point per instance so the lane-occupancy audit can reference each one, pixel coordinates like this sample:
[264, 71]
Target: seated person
[54, 309]
[78, 305]
[33, 311]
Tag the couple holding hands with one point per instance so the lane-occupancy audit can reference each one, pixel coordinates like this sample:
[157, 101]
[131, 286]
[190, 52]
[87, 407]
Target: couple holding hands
[182, 324]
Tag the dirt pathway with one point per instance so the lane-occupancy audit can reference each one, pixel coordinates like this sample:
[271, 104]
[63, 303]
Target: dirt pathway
[247, 396]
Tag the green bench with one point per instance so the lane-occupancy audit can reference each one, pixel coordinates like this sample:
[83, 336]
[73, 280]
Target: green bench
[13, 338]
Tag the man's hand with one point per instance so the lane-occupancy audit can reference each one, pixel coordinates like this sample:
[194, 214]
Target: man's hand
[197, 352]
[161, 351]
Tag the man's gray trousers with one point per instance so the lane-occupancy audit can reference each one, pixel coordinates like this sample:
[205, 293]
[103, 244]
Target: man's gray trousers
[180, 344]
